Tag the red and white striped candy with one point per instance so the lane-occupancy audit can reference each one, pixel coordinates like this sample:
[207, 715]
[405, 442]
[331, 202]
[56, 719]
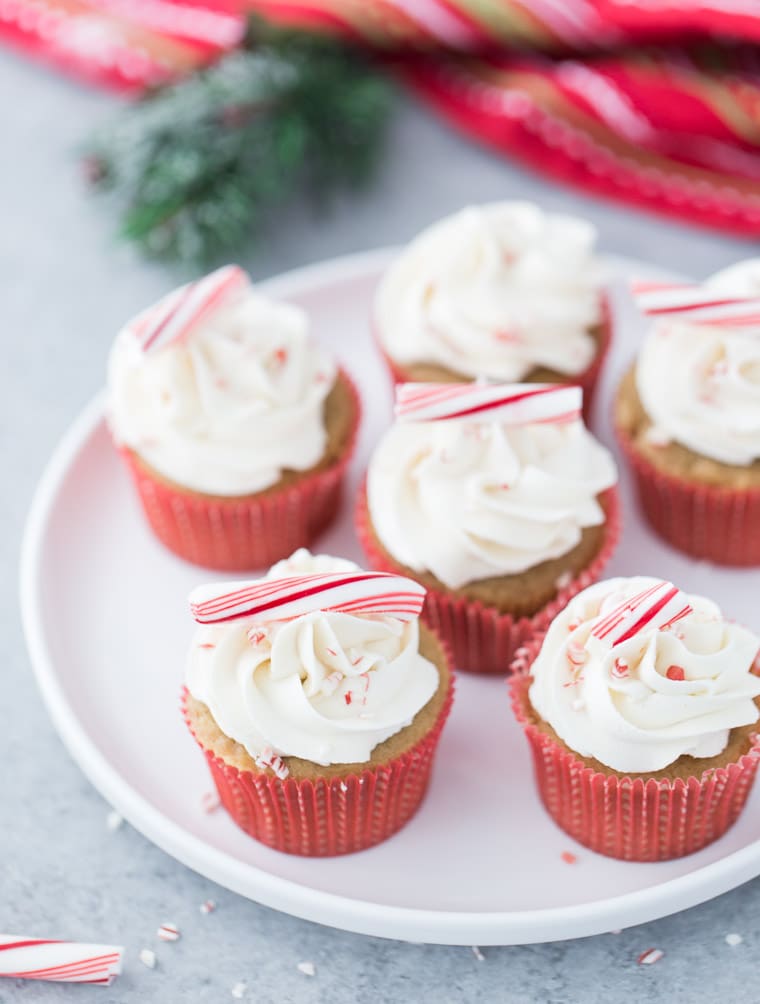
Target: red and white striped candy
[173, 317]
[659, 605]
[512, 404]
[282, 599]
[61, 961]
[695, 305]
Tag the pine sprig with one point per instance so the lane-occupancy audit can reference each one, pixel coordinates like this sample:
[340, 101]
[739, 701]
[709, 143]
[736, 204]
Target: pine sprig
[200, 165]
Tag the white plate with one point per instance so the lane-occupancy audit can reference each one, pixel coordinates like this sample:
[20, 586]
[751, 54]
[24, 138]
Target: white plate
[107, 624]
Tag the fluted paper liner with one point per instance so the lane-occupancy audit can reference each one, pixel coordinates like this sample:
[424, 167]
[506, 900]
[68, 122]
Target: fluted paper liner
[708, 522]
[634, 818]
[481, 638]
[587, 380]
[241, 534]
[332, 815]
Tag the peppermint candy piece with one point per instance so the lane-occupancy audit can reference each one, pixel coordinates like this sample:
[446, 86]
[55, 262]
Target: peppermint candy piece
[660, 605]
[173, 317]
[266, 600]
[59, 961]
[695, 304]
[512, 404]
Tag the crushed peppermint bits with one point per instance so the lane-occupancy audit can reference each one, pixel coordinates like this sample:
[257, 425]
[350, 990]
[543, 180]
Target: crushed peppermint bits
[114, 820]
[147, 958]
[210, 801]
[268, 758]
[168, 932]
[651, 956]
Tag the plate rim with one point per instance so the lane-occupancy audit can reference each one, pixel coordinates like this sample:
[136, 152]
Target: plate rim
[450, 927]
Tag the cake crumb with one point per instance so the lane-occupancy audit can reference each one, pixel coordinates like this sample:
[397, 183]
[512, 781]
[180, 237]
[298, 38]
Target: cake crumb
[114, 820]
[651, 956]
[568, 857]
[734, 939]
[238, 990]
[307, 968]
[148, 958]
[168, 932]
[478, 954]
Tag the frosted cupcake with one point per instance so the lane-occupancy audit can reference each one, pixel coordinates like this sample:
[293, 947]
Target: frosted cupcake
[641, 709]
[688, 415]
[318, 700]
[235, 426]
[499, 501]
[502, 291]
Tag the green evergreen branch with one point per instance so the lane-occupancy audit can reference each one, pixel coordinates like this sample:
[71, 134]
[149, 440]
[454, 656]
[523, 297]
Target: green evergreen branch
[200, 164]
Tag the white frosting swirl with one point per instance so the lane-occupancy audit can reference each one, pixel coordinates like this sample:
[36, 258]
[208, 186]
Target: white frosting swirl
[227, 410]
[468, 501]
[645, 720]
[700, 385]
[494, 290]
[326, 687]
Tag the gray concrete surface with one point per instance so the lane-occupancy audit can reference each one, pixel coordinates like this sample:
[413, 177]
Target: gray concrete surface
[65, 289]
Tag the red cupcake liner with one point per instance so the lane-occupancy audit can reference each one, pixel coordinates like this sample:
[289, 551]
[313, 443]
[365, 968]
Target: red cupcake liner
[235, 535]
[481, 638]
[708, 522]
[587, 380]
[330, 816]
[633, 818]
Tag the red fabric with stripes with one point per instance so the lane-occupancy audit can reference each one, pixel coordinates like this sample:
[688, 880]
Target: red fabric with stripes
[631, 101]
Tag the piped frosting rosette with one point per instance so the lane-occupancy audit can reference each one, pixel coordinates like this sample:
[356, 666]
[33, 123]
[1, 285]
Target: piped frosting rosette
[218, 401]
[640, 706]
[309, 672]
[485, 482]
[499, 291]
[698, 380]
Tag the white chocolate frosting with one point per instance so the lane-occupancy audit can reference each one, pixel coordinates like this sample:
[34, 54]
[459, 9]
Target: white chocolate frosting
[700, 384]
[327, 687]
[229, 408]
[494, 290]
[644, 720]
[468, 500]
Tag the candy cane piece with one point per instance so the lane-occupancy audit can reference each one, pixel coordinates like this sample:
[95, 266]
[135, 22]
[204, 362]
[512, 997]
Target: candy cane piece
[173, 317]
[282, 599]
[695, 304]
[660, 606]
[60, 961]
[512, 404]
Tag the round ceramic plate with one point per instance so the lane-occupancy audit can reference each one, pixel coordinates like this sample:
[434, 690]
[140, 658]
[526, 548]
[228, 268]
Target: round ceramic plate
[107, 624]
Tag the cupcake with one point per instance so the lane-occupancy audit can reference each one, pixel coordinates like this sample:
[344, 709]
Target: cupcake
[501, 291]
[640, 705]
[499, 501]
[318, 700]
[688, 415]
[235, 426]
